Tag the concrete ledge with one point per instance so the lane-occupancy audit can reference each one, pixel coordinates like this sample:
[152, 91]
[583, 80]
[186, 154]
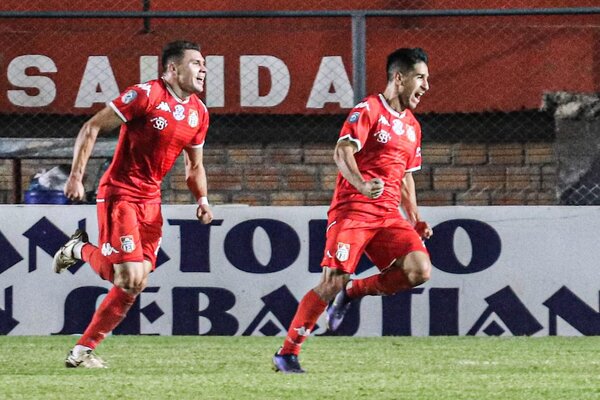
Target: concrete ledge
[51, 148]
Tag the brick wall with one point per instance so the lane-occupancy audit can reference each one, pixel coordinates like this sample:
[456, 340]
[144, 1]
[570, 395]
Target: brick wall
[452, 174]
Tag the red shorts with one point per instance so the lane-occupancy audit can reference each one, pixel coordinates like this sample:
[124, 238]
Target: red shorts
[129, 231]
[383, 241]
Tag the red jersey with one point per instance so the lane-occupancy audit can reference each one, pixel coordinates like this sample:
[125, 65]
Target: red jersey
[389, 145]
[157, 127]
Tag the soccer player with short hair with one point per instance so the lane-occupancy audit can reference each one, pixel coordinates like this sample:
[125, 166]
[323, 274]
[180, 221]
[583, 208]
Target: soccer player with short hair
[158, 120]
[378, 150]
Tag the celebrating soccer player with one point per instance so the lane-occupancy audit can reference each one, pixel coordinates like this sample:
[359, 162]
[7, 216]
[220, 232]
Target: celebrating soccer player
[378, 149]
[158, 120]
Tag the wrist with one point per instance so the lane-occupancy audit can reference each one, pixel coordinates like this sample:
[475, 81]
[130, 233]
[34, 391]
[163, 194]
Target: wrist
[203, 201]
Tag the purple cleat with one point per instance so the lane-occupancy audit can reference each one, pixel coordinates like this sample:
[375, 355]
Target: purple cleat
[287, 363]
[337, 309]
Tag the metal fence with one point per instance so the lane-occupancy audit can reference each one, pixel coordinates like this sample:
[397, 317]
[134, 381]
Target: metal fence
[291, 75]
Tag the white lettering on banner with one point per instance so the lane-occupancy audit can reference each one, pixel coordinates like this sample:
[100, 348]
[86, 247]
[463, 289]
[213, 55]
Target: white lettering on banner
[148, 68]
[98, 84]
[249, 81]
[215, 83]
[331, 74]
[46, 89]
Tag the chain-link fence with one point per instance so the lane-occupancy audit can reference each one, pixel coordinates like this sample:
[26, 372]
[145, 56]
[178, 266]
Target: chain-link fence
[290, 72]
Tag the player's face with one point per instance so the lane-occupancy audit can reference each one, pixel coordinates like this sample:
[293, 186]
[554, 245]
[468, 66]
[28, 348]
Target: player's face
[191, 72]
[413, 85]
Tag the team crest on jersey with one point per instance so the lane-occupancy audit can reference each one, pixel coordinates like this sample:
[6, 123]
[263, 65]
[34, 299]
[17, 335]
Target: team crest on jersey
[354, 117]
[418, 152]
[410, 133]
[179, 112]
[159, 123]
[163, 106]
[193, 118]
[398, 127]
[127, 244]
[129, 96]
[383, 136]
[343, 251]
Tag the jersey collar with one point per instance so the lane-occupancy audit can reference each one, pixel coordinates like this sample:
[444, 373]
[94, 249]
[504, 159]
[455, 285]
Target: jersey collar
[390, 109]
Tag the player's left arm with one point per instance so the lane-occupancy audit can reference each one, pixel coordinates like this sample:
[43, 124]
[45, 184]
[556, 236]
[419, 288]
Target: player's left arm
[195, 177]
[409, 205]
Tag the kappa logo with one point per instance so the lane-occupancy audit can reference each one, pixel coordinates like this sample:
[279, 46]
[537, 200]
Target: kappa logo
[163, 106]
[107, 249]
[179, 112]
[364, 104]
[127, 244]
[159, 123]
[383, 120]
[145, 87]
[343, 251]
[302, 331]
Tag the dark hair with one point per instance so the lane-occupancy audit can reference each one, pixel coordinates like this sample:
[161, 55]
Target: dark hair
[174, 51]
[404, 60]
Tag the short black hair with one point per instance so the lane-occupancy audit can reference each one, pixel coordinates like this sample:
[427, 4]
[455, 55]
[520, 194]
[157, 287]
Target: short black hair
[174, 51]
[404, 60]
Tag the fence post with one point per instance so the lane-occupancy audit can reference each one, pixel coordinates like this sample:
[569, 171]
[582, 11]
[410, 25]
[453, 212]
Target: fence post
[359, 40]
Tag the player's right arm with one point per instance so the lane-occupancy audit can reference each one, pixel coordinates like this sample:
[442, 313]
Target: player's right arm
[343, 156]
[104, 121]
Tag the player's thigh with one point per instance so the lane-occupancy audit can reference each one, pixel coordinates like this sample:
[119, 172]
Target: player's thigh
[346, 240]
[151, 231]
[394, 242]
[119, 236]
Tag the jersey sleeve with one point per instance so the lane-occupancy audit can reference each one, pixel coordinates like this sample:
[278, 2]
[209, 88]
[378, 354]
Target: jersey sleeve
[414, 163]
[357, 126]
[200, 137]
[132, 103]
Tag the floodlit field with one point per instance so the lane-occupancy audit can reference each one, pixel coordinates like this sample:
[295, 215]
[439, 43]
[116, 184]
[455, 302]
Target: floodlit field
[152, 367]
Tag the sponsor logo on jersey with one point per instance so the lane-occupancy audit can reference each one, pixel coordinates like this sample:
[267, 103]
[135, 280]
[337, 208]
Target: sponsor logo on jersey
[193, 118]
[410, 133]
[398, 127]
[129, 96]
[364, 104]
[383, 136]
[383, 120]
[354, 117]
[343, 251]
[159, 123]
[107, 249]
[145, 87]
[127, 243]
[163, 106]
[179, 112]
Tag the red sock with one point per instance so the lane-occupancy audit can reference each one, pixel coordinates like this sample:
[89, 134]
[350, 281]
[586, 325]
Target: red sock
[386, 283]
[309, 310]
[92, 255]
[106, 318]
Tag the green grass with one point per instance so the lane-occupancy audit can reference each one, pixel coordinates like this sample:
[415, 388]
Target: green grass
[153, 367]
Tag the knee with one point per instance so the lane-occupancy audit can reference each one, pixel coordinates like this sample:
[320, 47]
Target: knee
[130, 283]
[419, 273]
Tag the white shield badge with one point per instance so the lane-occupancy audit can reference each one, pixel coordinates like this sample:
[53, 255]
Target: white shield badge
[343, 251]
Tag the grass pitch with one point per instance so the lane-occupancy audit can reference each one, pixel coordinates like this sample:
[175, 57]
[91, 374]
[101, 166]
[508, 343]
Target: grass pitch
[153, 367]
